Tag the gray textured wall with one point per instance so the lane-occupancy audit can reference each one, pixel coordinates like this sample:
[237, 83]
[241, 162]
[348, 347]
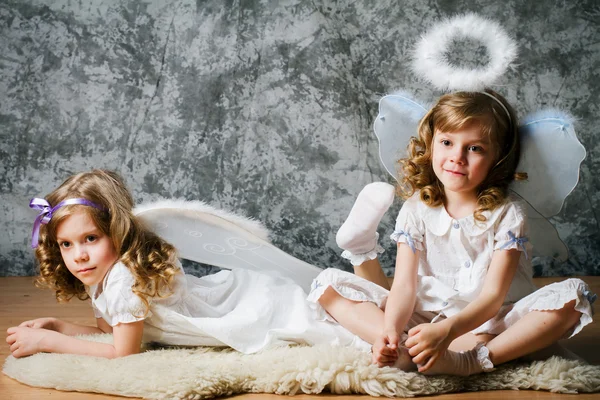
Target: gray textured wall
[259, 106]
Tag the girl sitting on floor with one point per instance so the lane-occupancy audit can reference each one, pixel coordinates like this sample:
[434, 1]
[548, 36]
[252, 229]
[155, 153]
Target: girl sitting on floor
[463, 276]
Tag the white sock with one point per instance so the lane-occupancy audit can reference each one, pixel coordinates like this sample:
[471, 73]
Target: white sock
[465, 363]
[358, 235]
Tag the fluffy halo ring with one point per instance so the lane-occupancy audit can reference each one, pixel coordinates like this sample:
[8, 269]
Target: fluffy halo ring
[430, 61]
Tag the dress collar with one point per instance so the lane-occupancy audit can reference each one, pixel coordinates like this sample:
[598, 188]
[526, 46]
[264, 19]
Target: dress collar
[439, 222]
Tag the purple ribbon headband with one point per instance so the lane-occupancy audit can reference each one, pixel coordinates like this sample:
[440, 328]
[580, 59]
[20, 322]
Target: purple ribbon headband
[46, 211]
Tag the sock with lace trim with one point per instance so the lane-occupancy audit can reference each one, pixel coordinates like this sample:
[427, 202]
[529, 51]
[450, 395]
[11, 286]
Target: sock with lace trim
[464, 363]
[358, 235]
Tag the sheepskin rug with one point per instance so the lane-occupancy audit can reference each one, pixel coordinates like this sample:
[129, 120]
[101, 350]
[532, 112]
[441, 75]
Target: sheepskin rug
[201, 373]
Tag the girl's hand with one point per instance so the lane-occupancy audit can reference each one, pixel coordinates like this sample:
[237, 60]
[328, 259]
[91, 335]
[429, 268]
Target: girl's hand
[385, 350]
[52, 324]
[25, 341]
[426, 342]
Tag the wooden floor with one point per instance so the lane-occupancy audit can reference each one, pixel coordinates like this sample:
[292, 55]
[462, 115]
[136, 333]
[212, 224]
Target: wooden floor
[20, 300]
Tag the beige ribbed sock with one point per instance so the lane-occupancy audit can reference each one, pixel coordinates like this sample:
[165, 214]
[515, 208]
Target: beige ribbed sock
[464, 363]
[404, 361]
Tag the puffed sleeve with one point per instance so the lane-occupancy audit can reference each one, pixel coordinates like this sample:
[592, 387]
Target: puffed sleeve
[512, 231]
[410, 228]
[122, 304]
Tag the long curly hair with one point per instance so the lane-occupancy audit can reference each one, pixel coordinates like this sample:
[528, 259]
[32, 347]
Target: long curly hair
[451, 113]
[151, 260]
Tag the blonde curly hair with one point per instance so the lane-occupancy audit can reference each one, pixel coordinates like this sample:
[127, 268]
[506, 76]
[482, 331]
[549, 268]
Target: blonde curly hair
[151, 260]
[451, 113]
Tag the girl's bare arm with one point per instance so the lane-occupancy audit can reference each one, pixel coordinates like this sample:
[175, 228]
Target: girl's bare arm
[64, 327]
[127, 339]
[68, 328]
[24, 341]
[403, 295]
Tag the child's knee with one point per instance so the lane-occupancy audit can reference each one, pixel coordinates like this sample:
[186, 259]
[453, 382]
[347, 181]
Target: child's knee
[570, 313]
[329, 299]
[334, 303]
[568, 316]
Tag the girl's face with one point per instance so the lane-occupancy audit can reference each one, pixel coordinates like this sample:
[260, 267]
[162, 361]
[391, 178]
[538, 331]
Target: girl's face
[462, 159]
[87, 252]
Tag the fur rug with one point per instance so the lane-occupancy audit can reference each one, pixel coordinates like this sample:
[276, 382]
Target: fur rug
[199, 373]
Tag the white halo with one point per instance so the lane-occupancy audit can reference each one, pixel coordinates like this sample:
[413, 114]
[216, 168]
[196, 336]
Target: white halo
[429, 60]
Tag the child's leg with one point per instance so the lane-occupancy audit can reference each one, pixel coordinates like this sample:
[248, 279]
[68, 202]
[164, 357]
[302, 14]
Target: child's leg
[358, 235]
[535, 331]
[364, 319]
[371, 270]
[468, 341]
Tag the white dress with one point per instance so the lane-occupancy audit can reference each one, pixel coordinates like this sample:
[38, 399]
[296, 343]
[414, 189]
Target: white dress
[241, 309]
[453, 261]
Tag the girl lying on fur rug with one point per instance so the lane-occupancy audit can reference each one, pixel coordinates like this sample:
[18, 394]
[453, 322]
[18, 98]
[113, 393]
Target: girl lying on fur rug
[92, 245]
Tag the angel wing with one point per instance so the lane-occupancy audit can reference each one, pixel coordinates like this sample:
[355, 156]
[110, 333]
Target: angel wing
[397, 121]
[212, 236]
[544, 236]
[551, 155]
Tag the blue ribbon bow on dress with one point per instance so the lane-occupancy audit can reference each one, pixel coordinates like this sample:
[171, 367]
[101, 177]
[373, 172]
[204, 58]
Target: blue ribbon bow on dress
[519, 241]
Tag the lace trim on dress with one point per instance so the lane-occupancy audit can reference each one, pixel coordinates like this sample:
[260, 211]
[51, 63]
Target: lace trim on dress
[551, 297]
[357, 259]
[129, 317]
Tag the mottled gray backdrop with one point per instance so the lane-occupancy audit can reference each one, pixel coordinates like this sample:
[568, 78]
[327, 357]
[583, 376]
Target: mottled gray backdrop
[260, 107]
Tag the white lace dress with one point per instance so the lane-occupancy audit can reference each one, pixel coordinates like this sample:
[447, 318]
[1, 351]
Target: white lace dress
[241, 309]
[453, 261]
